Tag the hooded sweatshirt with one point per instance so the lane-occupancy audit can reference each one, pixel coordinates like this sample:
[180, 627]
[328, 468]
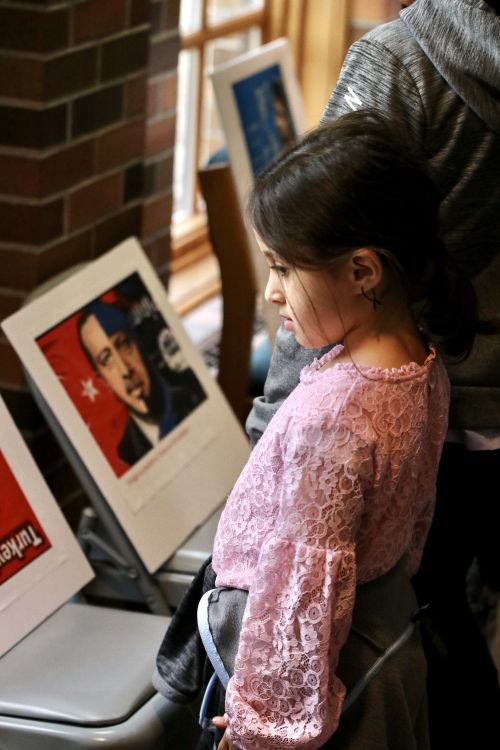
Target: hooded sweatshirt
[436, 71]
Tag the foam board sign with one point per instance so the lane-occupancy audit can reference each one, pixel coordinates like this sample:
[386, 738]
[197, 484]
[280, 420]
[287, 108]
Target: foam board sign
[41, 563]
[132, 395]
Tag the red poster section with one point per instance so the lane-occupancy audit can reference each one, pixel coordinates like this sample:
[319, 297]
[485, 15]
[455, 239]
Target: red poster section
[102, 413]
[22, 538]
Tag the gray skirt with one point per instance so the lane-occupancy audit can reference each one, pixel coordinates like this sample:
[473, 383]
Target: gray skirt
[391, 711]
[382, 664]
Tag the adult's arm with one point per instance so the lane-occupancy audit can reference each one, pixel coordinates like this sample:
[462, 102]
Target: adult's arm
[287, 360]
[379, 73]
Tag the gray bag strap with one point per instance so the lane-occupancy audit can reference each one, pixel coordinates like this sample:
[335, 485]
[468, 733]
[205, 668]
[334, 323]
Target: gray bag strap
[358, 688]
[220, 614]
[207, 637]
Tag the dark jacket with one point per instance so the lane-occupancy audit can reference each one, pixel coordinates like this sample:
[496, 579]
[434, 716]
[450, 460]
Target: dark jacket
[435, 70]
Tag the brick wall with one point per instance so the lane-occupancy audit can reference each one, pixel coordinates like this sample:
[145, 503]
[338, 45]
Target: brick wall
[87, 127]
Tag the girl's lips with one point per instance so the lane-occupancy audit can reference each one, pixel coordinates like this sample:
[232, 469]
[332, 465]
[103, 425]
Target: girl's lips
[288, 324]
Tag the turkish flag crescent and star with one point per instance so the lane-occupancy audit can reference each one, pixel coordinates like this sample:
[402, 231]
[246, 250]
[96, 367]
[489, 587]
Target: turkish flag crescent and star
[104, 415]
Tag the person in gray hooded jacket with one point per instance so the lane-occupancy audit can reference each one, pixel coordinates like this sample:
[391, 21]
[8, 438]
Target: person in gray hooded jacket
[436, 70]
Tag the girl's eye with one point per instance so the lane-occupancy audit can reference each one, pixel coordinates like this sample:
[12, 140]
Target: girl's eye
[280, 270]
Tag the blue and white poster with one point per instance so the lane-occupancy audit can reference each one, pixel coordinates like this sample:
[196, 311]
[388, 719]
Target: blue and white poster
[265, 115]
[261, 110]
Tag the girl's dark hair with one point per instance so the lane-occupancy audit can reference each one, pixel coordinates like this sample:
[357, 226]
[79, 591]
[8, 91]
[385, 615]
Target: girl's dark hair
[355, 183]
[495, 4]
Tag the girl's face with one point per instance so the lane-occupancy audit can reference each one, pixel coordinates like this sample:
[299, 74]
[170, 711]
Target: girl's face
[314, 305]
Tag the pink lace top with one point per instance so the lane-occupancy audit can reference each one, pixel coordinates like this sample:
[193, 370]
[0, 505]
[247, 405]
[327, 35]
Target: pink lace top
[338, 489]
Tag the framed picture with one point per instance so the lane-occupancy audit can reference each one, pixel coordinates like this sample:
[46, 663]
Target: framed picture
[262, 112]
[41, 563]
[133, 396]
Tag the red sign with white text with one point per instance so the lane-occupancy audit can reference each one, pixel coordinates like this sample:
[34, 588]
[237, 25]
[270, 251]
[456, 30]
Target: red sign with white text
[22, 538]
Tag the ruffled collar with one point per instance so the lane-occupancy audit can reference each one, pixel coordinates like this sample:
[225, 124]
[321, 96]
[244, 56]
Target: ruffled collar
[313, 371]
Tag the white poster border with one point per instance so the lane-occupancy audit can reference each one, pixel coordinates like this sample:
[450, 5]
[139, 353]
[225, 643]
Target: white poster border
[171, 490]
[48, 581]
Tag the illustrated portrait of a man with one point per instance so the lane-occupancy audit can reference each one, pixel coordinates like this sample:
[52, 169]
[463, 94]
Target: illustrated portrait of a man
[154, 402]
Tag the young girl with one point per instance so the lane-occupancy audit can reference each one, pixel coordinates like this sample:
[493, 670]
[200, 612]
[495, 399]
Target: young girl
[328, 519]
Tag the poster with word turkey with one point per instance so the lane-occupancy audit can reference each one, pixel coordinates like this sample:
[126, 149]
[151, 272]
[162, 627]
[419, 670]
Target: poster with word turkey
[133, 397]
[41, 564]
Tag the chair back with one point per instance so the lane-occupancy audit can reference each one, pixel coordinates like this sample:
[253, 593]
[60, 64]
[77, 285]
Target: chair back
[229, 240]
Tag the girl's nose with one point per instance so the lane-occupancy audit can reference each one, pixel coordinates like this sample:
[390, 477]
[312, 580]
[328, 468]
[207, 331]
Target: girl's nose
[274, 292]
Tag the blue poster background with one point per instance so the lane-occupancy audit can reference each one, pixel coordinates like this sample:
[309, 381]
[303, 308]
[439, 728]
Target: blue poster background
[264, 114]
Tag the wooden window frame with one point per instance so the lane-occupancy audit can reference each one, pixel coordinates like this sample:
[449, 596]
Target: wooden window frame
[190, 240]
[317, 33]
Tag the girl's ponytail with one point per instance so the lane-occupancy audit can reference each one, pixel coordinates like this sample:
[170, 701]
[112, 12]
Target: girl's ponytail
[450, 311]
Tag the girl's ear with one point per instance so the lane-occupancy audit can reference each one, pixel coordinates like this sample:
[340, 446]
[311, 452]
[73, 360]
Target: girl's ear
[366, 269]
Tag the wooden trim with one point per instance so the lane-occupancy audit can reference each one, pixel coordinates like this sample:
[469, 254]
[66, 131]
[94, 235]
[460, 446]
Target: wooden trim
[190, 240]
[199, 115]
[316, 30]
[197, 297]
[288, 18]
[188, 227]
[239, 285]
[226, 28]
[195, 283]
[301, 42]
[192, 235]
[190, 251]
[276, 19]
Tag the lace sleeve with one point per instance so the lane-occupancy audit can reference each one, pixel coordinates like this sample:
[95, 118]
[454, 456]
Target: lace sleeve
[417, 542]
[284, 692]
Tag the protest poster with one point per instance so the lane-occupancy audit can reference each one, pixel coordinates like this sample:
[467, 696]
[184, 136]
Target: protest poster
[41, 563]
[130, 391]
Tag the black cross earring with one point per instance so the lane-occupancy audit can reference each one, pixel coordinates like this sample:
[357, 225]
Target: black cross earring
[373, 299]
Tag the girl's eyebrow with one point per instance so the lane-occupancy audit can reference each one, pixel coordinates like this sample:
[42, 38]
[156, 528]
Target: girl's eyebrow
[273, 257]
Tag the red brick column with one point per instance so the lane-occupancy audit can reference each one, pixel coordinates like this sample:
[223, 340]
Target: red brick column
[160, 131]
[87, 126]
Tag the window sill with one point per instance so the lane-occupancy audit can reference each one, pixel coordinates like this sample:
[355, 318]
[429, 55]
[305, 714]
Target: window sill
[196, 282]
[195, 275]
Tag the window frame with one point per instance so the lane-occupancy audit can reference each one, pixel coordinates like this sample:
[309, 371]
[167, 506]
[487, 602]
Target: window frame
[190, 238]
[318, 37]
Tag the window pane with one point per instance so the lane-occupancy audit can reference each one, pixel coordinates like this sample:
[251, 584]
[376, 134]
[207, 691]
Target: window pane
[185, 136]
[221, 10]
[220, 51]
[190, 16]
